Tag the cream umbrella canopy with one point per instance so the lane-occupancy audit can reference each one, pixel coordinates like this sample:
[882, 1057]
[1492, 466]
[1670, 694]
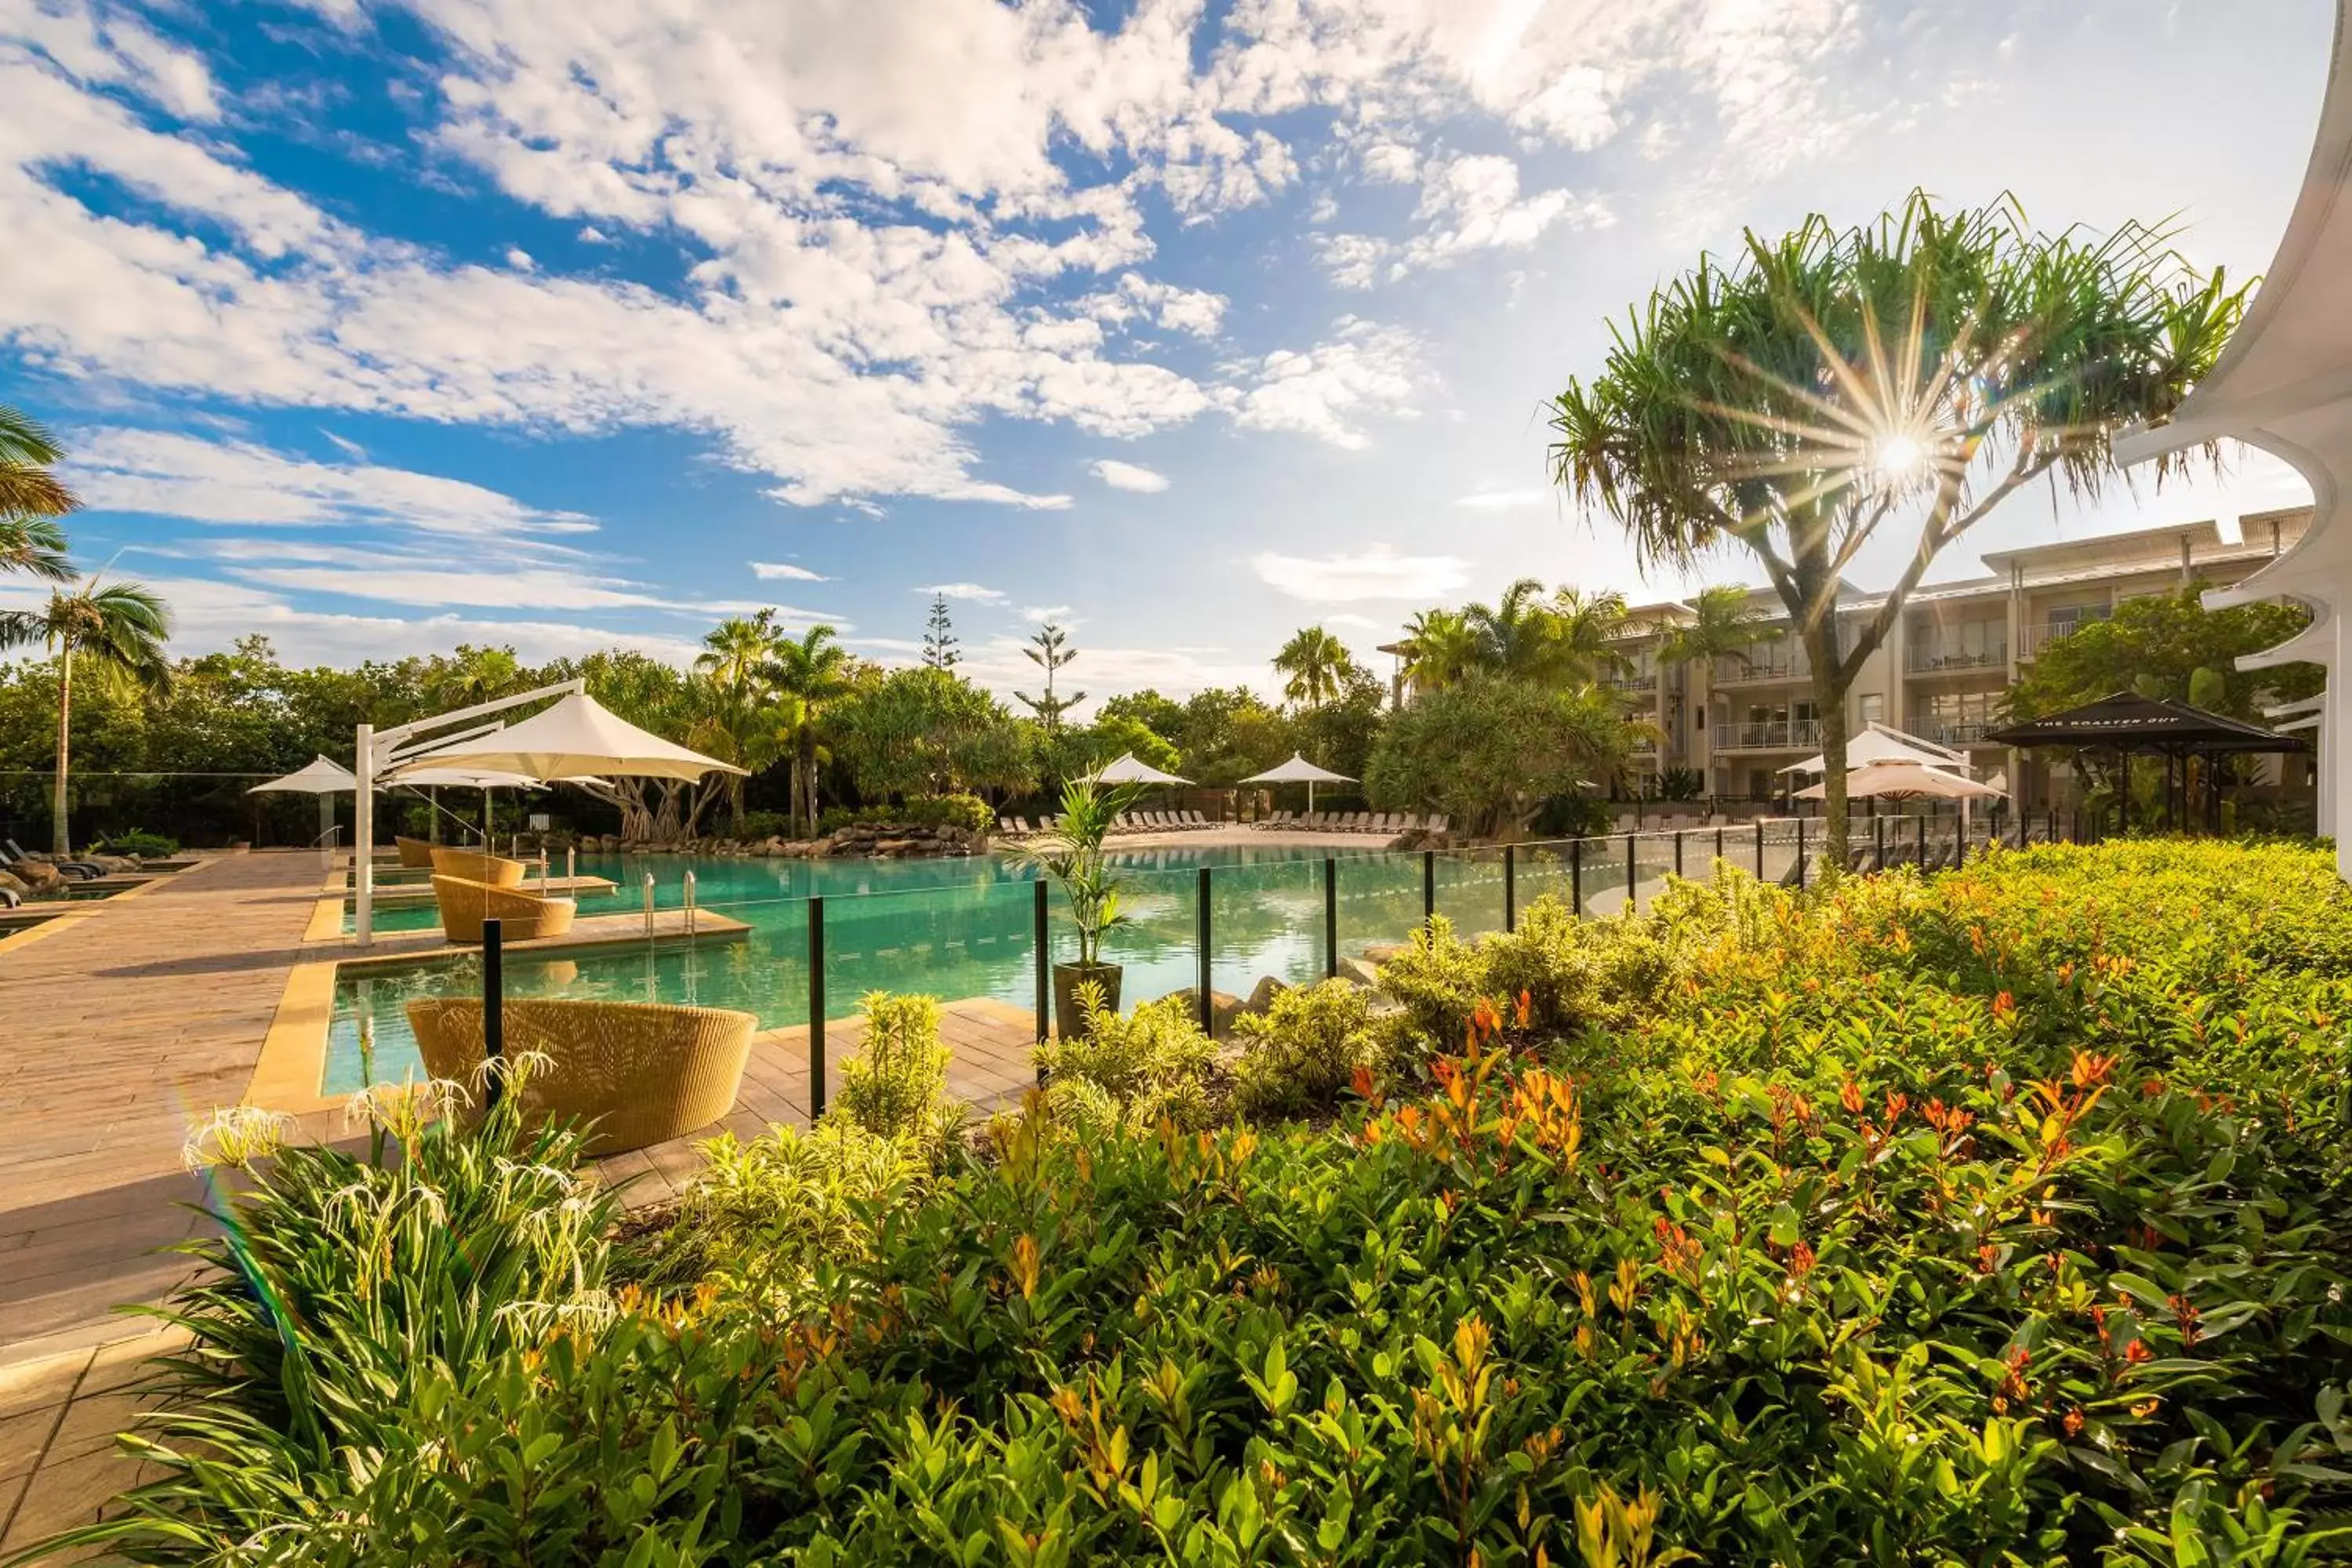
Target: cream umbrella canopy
[1902, 779]
[427, 774]
[1878, 744]
[320, 776]
[1127, 769]
[577, 735]
[1299, 770]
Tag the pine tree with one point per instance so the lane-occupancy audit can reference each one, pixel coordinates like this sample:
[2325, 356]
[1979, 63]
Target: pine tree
[1049, 651]
[939, 636]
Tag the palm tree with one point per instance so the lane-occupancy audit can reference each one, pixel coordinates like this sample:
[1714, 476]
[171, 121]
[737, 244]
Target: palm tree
[1441, 647]
[813, 674]
[1516, 634]
[1315, 663]
[1721, 626]
[31, 501]
[1586, 627]
[739, 719]
[117, 631]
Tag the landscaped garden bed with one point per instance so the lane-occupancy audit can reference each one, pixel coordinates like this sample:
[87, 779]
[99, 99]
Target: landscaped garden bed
[2000, 1216]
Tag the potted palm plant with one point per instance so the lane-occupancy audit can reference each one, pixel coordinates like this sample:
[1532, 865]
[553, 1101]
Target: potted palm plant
[1072, 857]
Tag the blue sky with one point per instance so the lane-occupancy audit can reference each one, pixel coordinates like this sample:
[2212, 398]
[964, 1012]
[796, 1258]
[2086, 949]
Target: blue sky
[380, 327]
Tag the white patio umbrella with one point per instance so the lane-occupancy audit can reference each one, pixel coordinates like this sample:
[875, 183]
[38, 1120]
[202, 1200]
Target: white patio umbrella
[426, 774]
[1125, 769]
[319, 776]
[1877, 744]
[1299, 770]
[1905, 779]
[578, 735]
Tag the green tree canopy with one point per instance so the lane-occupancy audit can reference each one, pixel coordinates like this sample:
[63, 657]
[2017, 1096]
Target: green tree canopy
[1489, 751]
[2170, 646]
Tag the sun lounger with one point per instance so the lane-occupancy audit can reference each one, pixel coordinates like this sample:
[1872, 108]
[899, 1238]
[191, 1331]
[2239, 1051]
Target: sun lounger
[473, 866]
[76, 870]
[1021, 826]
[522, 916]
[1194, 819]
[1437, 824]
[642, 1072]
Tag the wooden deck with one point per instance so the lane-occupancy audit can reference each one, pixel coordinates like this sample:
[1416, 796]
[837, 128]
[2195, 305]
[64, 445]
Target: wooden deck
[126, 1019]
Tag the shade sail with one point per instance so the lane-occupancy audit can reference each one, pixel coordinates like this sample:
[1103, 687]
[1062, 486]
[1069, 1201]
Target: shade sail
[2130, 722]
[1905, 779]
[1127, 770]
[318, 776]
[1299, 770]
[1874, 744]
[577, 735]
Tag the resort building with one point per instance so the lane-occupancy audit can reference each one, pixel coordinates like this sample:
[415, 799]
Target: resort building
[1942, 674]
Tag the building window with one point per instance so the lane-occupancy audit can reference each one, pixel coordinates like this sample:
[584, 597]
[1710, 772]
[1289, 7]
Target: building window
[1874, 707]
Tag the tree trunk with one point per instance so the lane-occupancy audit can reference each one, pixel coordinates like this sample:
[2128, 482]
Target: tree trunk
[1829, 695]
[60, 842]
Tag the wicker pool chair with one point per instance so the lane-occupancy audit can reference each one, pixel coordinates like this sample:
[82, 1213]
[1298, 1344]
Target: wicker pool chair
[415, 853]
[475, 866]
[642, 1072]
[522, 916]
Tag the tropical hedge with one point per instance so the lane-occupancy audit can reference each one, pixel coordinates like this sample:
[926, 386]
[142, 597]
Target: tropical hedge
[1996, 1217]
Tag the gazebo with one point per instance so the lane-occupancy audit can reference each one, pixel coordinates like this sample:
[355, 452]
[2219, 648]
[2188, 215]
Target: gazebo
[2130, 725]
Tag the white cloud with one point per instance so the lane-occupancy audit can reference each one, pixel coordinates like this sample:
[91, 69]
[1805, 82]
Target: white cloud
[1468, 203]
[170, 474]
[1038, 615]
[1350, 618]
[784, 571]
[969, 590]
[519, 259]
[1121, 476]
[1363, 369]
[1378, 573]
[1505, 499]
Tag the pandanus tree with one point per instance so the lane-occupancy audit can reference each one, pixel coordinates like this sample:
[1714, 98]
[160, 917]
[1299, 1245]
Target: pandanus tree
[1834, 385]
[115, 633]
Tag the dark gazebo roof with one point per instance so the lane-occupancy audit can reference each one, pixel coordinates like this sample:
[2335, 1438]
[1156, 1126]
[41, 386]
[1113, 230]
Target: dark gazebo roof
[2130, 722]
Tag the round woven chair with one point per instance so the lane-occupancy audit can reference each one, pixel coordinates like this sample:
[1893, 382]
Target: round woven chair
[642, 1072]
[475, 866]
[521, 915]
[415, 853]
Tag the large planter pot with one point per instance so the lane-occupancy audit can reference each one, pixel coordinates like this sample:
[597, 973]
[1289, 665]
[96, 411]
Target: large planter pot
[1069, 1019]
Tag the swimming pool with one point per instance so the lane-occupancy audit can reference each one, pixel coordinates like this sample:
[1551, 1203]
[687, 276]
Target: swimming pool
[964, 927]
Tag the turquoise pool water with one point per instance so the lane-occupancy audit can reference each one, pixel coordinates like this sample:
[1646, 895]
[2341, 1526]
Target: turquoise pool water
[956, 929]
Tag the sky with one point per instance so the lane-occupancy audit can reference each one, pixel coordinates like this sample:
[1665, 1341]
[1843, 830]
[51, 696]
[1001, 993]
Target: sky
[379, 326]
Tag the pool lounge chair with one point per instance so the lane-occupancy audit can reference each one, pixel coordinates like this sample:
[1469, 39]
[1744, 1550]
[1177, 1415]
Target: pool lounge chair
[73, 871]
[473, 866]
[522, 916]
[416, 854]
[1437, 824]
[642, 1072]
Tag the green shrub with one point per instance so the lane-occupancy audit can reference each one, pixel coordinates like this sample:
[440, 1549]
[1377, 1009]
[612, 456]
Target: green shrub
[1437, 980]
[759, 824]
[146, 846]
[1130, 1072]
[896, 1087]
[1305, 1048]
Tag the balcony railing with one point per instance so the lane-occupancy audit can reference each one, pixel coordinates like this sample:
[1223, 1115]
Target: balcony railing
[1933, 659]
[1955, 732]
[2035, 639]
[1780, 661]
[1640, 683]
[1777, 735]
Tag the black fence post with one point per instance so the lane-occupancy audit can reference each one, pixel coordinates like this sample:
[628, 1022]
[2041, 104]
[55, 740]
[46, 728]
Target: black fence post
[1759, 848]
[1330, 917]
[1428, 886]
[1959, 843]
[1201, 935]
[1718, 848]
[1042, 941]
[1632, 875]
[816, 1006]
[1923, 840]
[1879, 838]
[1576, 876]
[494, 1010]
[1678, 851]
[1510, 887]
[1800, 853]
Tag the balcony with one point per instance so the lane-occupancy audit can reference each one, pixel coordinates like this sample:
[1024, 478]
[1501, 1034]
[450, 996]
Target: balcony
[1955, 732]
[1634, 683]
[2035, 639]
[1776, 661]
[1935, 658]
[1776, 735]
